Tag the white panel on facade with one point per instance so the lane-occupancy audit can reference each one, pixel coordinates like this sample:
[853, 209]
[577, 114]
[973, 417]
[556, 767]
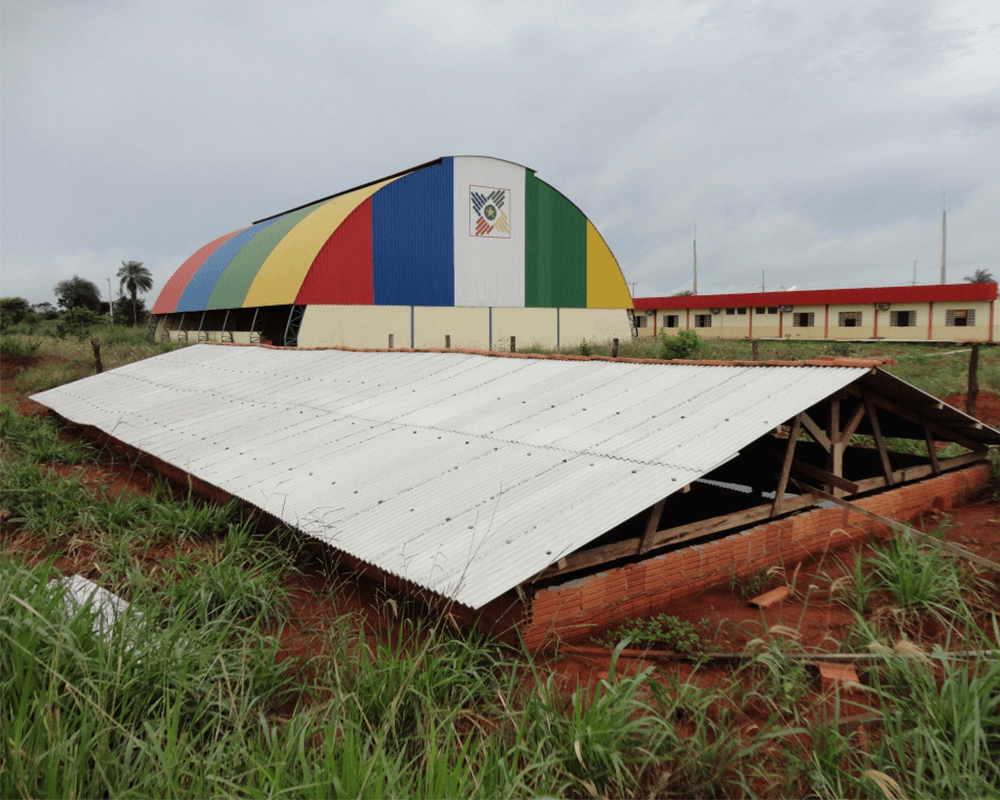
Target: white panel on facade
[465, 474]
[489, 232]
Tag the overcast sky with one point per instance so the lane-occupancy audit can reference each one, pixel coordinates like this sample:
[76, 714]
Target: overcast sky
[808, 141]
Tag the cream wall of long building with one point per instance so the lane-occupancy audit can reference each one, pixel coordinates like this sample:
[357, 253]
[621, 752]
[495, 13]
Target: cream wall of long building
[929, 322]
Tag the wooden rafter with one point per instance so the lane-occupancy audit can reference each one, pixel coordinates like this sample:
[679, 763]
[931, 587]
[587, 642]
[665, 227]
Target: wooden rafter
[652, 523]
[786, 466]
[883, 452]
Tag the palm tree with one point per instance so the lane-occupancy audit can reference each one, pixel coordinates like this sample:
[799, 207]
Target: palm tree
[981, 276]
[136, 278]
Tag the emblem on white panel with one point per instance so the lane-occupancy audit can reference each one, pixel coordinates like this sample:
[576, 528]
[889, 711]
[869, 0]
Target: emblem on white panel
[489, 212]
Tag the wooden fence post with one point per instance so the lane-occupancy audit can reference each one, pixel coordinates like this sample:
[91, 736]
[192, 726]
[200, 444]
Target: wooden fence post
[391, 341]
[98, 366]
[513, 344]
[447, 342]
[614, 348]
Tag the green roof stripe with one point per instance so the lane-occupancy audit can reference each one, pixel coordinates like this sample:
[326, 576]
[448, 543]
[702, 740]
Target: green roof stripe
[233, 284]
[555, 257]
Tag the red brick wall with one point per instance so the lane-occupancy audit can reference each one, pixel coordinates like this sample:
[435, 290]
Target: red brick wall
[573, 609]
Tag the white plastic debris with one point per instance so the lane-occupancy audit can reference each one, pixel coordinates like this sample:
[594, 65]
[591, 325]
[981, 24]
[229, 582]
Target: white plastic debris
[82, 592]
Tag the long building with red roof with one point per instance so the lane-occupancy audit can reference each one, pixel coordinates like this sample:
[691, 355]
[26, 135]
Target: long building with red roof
[945, 312]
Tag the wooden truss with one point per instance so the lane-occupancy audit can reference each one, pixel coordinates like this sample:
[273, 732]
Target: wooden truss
[841, 413]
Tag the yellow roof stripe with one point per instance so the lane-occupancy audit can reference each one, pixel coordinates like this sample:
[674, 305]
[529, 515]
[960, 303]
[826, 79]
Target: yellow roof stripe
[606, 286]
[280, 276]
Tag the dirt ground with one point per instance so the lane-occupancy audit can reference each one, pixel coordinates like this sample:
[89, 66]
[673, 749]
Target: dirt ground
[812, 618]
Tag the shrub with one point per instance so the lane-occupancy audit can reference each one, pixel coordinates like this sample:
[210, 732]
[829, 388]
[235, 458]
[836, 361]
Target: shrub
[686, 344]
[17, 347]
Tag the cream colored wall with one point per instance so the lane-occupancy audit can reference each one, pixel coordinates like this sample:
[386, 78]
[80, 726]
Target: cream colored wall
[766, 326]
[355, 326]
[731, 326]
[980, 331]
[594, 325]
[531, 326]
[468, 327]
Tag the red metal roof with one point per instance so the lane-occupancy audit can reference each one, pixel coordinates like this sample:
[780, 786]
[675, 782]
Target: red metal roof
[818, 297]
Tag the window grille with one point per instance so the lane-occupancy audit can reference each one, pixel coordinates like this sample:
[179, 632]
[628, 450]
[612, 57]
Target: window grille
[803, 319]
[960, 317]
[703, 320]
[849, 319]
[902, 319]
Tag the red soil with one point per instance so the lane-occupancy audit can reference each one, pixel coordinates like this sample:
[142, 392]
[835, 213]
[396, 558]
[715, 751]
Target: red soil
[987, 406]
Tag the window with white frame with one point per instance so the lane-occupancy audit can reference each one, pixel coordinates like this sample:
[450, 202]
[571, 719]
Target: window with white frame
[703, 320]
[803, 319]
[902, 319]
[960, 317]
[849, 319]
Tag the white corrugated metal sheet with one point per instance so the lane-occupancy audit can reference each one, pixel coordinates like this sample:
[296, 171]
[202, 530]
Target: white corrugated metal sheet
[465, 474]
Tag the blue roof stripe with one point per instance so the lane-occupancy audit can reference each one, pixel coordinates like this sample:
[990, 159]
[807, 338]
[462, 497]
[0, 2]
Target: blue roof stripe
[200, 287]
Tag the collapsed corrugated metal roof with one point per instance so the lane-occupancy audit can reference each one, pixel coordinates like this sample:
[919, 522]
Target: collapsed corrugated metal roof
[463, 473]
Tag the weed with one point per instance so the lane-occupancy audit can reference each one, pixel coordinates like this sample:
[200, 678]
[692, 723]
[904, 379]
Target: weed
[942, 736]
[37, 439]
[918, 576]
[776, 680]
[754, 583]
[671, 633]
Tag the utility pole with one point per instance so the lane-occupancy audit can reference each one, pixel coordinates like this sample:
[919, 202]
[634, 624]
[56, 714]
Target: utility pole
[914, 273]
[762, 281]
[695, 283]
[944, 237]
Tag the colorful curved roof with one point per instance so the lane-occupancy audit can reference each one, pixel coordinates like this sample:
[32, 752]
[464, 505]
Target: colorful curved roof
[460, 231]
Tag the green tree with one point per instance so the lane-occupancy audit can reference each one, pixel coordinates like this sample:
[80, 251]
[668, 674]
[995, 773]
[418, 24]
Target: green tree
[134, 277]
[77, 322]
[13, 310]
[45, 310]
[123, 310]
[77, 292]
[981, 276]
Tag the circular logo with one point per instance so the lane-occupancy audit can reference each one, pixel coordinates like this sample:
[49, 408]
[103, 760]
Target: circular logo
[490, 212]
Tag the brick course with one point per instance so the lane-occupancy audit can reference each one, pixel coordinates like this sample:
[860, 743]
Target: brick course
[574, 609]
